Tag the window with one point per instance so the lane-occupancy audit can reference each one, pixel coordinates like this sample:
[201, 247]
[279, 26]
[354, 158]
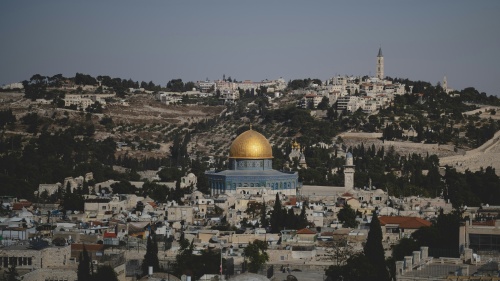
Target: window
[103, 207]
[490, 242]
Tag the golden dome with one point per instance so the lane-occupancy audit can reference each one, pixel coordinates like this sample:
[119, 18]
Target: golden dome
[251, 145]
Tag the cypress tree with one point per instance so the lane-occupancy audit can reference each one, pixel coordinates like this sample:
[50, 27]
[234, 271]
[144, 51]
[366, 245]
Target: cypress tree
[277, 216]
[264, 222]
[84, 273]
[374, 251]
[151, 256]
[303, 217]
[105, 273]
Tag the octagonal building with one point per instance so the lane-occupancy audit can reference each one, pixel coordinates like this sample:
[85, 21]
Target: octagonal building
[251, 169]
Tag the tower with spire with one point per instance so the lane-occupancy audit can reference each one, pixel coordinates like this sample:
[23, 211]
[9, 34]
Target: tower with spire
[380, 64]
[349, 172]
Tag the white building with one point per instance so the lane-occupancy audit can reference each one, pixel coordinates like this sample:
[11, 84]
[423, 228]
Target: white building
[12, 86]
[207, 86]
[78, 100]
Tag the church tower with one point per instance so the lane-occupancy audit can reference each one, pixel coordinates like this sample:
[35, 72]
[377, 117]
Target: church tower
[349, 172]
[380, 64]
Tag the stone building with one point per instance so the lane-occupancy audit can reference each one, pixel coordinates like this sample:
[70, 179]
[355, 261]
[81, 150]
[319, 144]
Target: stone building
[189, 180]
[251, 172]
[298, 152]
[483, 236]
[34, 256]
[50, 188]
[180, 213]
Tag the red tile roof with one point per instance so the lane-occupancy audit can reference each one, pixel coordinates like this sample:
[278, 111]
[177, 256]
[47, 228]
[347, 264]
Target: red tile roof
[88, 247]
[19, 205]
[292, 201]
[404, 222]
[109, 235]
[305, 231]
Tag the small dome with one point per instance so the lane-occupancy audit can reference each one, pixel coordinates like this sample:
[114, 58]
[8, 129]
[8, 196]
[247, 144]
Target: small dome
[251, 145]
[191, 175]
[348, 155]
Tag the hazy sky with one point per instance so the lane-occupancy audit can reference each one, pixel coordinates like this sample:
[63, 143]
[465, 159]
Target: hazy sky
[256, 40]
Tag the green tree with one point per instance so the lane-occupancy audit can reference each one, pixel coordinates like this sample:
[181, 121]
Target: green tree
[105, 273]
[302, 219]
[347, 216]
[175, 85]
[373, 249]
[264, 222]
[196, 265]
[151, 256]
[405, 247]
[323, 105]
[254, 209]
[189, 86]
[6, 117]
[256, 254]
[277, 216]
[12, 273]
[123, 187]
[84, 272]
[73, 202]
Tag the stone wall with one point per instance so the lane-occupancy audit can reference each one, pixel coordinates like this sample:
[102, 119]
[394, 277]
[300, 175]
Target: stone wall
[55, 256]
[279, 255]
[50, 274]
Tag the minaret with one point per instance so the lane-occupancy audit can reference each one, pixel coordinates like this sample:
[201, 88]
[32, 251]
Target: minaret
[348, 172]
[445, 85]
[380, 64]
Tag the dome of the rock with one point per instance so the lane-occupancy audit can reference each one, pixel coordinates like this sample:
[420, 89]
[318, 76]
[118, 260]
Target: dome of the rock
[251, 145]
[250, 170]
